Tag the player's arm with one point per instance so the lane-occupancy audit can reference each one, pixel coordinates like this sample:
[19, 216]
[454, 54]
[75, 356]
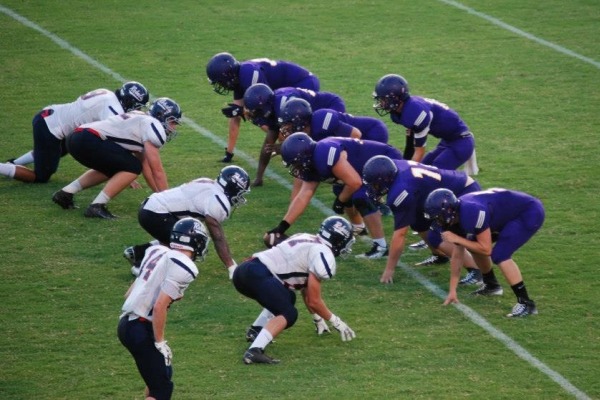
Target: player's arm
[301, 201]
[419, 153]
[159, 315]
[234, 128]
[395, 251]
[409, 147]
[482, 244]
[264, 157]
[218, 236]
[313, 299]
[154, 169]
[456, 263]
[345, 172]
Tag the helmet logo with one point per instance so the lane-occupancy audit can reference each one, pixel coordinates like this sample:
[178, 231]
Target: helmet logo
[136, 93]
[239, 180]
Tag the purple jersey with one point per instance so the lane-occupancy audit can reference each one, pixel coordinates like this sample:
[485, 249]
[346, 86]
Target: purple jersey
[327, 123]
[327, 153]
[275, 74]
[493, 209]
[512, 217]
[411, 187]
[428, 116]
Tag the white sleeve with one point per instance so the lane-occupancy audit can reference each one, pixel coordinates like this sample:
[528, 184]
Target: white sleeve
[181, 271]
[218, 207]
[154, 132]
[321, 261]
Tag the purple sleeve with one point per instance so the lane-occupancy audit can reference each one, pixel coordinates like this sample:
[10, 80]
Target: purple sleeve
[326, 155]
[326, 123]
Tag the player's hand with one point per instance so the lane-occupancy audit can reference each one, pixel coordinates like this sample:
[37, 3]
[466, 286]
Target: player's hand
[135, 185]
[452, 298]
[339, 206]
[165, 350]
[346, 333]
[320, 325]
[387, 277]
[233, 110]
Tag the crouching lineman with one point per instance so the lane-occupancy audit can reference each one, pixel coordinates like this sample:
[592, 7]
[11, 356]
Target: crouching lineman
[165, 274]
[299, 263]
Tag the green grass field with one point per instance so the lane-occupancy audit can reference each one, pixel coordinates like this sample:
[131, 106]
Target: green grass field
[530, 95]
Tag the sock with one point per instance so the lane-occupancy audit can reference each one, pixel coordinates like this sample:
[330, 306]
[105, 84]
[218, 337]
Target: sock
[262, 340]
[8, 170]
[263, 318]
[73, 187]
[521, 292]
[25, 159]
[381, 242]
[102, 198]
[357, 228]
[489, 279]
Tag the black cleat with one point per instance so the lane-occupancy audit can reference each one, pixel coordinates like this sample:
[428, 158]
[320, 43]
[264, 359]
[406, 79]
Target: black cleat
[257, 356]
[98, 210]
[252, 332]
[64, 199]
[228, 157]
[488, 290]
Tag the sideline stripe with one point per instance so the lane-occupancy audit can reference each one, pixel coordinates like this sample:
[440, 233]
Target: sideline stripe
[436, 290]
[519, 32]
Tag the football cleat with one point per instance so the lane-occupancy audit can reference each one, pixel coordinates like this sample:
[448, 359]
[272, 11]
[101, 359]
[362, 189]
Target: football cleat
[523, 309]
[433, 260]
[252, 332]
[418, 246]
[98, 210]
[473, 277]
[64, 199]
[488, 290]
[375, 253]
[129, 255]
[228, 157]
[255, 355]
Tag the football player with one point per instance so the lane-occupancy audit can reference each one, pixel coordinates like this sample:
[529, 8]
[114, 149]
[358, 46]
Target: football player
[55, 123]
[166, 272]
[407, 184]
[264, 106]
[338, 161]
[297, 115]
[210, 200]
[117, 150]
[226, 74]
[423, 117]
[506, 217]
[271, 277]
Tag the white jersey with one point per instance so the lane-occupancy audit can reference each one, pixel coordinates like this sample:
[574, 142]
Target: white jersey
[92, 106]
[293, 259]
[130, 130]
[162, 269]
[199, 198]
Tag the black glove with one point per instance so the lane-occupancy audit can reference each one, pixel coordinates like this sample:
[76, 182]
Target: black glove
[233, 110]
[228, 156]
[409, 148]
[338, 205]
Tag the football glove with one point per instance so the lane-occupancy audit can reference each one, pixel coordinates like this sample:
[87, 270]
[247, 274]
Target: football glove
[165, 350]
[233, 110]
[338, 205]
[320, 325]
[346, 333]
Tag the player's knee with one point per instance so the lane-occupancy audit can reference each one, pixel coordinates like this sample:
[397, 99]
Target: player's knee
[291, 316]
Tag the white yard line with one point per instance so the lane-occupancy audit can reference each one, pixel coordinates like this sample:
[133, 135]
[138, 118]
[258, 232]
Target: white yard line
[436, 290]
